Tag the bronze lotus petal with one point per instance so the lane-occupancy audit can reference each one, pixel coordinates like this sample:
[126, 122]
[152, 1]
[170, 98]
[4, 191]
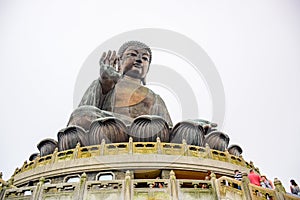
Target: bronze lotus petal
[33, 156]
[235, 149]
[111, 129]
[83, 116]
[190, 130]
[47, 146]
[70, 136]
[217, 140]
[146, 128]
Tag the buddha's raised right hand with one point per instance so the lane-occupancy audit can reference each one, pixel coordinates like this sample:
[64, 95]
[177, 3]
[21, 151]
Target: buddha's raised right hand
[108, 63]
[109, 75]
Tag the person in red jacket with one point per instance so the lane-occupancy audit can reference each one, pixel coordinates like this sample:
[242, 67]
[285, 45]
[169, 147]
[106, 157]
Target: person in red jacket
[254, 178]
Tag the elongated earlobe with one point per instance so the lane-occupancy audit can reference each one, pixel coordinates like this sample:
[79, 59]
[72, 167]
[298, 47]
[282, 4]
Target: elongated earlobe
[118, 65]
[143, 81]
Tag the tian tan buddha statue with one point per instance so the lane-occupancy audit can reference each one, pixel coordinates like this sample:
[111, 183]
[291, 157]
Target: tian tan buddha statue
[118, 99]
[117, 106]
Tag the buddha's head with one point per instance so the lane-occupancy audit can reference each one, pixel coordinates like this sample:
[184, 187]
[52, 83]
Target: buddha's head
[134, 58]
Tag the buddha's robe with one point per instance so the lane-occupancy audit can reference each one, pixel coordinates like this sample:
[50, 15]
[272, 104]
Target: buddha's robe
[126, 100]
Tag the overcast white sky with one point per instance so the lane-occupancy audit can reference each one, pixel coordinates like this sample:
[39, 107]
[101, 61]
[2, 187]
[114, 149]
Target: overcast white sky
[255, 46]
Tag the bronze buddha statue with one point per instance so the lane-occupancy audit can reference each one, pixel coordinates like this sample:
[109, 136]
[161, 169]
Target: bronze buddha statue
[117, 106]
[119, 91]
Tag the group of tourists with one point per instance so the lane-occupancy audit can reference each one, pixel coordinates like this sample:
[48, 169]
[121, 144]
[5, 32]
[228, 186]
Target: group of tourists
[262, 181]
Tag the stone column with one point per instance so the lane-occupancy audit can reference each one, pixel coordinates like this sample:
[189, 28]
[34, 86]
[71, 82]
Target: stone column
[127, 191]
[102, 147]
[82, 184]
[208, 152]
[280, 191]
[173, 186]
[245, 187]
[185, 148]
[76, 150]
[213, 180]
[37, 195]
[130, 145]
[53, 157]
[158, 143]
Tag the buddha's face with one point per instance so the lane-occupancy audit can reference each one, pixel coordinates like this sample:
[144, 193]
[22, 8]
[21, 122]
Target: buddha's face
[135, 62]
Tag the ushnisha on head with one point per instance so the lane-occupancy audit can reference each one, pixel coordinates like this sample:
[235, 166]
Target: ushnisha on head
[134, 58]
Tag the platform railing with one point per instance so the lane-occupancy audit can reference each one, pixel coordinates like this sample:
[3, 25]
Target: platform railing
[229, 187]
[258, 192]
[168, 188]
[289, 196]
[135, 148]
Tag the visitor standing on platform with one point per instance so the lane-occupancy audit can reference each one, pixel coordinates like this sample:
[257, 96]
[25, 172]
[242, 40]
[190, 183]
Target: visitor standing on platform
[294, 187]
[238, 175]
[254, 178]
[265, 183]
